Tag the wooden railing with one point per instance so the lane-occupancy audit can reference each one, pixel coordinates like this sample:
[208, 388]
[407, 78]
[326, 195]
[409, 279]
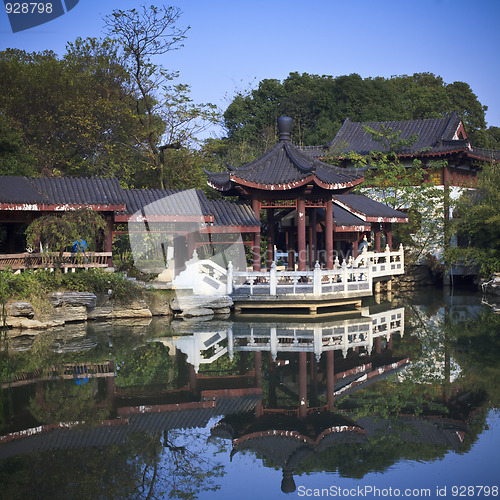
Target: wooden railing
[52, 260]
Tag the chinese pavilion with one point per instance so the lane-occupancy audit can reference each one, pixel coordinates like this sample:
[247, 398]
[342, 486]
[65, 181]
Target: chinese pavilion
[303, 198]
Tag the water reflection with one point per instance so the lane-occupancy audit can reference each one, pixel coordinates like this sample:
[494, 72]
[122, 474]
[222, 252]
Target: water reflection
[139, 410]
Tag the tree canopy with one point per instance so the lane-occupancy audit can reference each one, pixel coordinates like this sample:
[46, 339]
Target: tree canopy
[320, 104]
[104, 108]
[476, 224]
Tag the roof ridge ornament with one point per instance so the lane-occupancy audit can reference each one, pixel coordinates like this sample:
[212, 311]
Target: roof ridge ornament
[285, 128]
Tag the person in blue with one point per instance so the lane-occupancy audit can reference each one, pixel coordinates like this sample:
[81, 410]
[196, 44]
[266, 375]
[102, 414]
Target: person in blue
[79, 246]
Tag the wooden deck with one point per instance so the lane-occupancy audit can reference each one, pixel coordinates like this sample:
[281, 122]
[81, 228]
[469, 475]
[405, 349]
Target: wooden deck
[51, 260]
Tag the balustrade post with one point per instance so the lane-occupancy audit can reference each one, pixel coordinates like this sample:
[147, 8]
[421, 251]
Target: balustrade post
[229, 282]
[317, 280]
[273, 279]
[344, 275]
[370, 274]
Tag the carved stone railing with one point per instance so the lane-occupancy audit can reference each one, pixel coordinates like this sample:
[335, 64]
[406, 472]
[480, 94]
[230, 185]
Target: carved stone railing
[343, 279]
[382, 263]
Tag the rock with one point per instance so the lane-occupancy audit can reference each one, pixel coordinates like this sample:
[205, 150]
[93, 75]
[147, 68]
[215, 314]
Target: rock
[195, 313]
[73, 298]
[32, 324]
[136, 309]
[159, 305]
[188, 302]
[223, 311]
[24, 309]
[68, 313]
[100, 312]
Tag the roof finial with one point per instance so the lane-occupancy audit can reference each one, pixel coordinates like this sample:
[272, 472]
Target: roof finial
[284, 127]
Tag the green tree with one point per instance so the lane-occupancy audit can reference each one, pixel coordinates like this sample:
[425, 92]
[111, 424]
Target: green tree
[168, 117]
[69, 116]
[476, 224]
[406, 187]
[58, 232]
[320, 104]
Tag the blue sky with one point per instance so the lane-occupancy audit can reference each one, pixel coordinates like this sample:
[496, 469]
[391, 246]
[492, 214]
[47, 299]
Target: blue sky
[232, 45]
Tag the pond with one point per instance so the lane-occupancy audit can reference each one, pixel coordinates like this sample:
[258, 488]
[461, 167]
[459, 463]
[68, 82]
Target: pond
[398, 399]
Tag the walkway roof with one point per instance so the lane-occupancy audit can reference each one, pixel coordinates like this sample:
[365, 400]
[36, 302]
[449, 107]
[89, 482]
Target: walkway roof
[368, 210]
[435, 137]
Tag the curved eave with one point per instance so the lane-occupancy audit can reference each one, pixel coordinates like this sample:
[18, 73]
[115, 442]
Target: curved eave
[294, 184]
[219, 187]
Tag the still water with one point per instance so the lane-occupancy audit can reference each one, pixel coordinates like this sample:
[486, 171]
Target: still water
[399, 400]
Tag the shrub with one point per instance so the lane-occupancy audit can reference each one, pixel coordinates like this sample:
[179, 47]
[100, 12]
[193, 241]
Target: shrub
[99, 281]
[31, 284]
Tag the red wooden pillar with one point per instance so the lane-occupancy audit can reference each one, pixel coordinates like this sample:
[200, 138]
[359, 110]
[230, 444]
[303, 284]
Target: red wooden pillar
[388, 233]
[330, 380]
[355, 245]
[291, 248]
[301, 233]
[313, 238]
[329, 234]
[191, 244]
[302, 384]
[377, 237]
[109, 238]
[256, 237]
[270, 237]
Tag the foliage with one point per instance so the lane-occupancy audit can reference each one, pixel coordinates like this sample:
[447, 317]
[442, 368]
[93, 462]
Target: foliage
[476, 224]
[168, 117]
[68, 402]
[99, 281]
[320, 104]
[104, 108]
[146, 365]
[29, 284]
[69, 115]
[408, 187]
[56, 233]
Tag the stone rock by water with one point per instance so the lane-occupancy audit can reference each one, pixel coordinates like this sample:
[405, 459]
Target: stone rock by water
[86, 299]
[189, 302]
[31, 324]
[20, 309]
[69, 313]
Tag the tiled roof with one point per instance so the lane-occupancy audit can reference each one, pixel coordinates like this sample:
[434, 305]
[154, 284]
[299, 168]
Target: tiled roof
[433, 133]
[79, 190]
[367, 209]
[19, 190]
[166, 202]
[344, 218]
[282, 167]
[189, 202]
[436, 136]
[485, 154]
[230, 213]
